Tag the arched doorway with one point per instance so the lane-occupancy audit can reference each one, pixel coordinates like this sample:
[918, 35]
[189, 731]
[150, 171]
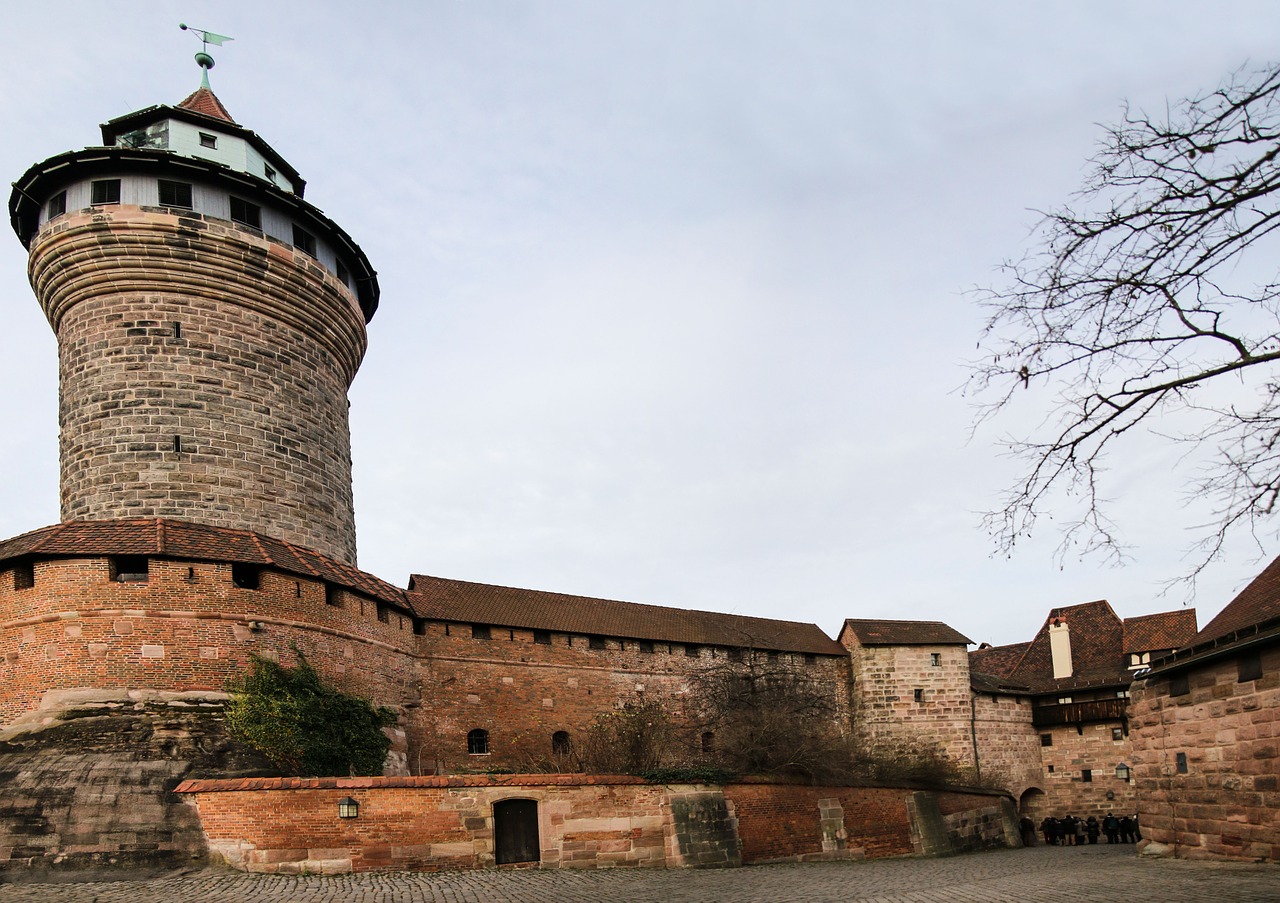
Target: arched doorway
[515, 831]
[1033, 804]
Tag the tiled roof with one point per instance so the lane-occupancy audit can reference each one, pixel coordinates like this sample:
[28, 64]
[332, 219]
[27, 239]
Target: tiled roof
[163, 538]
[905, 633]
[204, 102]
[1257, 603]
[479, 603]
[997, 661]
[1097, 651]
[1165, 630]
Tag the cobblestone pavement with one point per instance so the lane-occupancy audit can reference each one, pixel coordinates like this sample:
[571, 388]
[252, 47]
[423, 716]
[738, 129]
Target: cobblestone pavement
[1090, 874]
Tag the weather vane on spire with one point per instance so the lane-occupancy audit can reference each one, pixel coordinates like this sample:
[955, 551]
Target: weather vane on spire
[202, 58]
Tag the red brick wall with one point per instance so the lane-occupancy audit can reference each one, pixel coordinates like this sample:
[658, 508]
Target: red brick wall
[1227, 803]
[782, 822]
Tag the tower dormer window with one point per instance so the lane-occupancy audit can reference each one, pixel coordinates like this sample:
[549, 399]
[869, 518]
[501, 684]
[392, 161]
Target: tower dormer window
[244, 212]
[269, 173]
[174, 194]
[104, 191]
[304, 241]
[207, 140]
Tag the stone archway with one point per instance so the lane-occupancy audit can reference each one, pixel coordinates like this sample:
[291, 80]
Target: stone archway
[1034, 804]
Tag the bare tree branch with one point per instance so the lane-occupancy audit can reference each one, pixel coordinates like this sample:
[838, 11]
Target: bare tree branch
[1134, 301]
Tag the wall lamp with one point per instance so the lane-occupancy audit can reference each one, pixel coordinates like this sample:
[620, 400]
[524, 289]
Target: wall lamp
[1122, 772]
[348, 808]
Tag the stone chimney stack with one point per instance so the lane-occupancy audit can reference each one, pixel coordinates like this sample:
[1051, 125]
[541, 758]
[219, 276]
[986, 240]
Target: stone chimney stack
[1060, 648]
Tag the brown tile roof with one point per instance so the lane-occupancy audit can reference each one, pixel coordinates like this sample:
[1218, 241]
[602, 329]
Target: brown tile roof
[164, 538]
[480, 603]
[997, 661]
[1097, 651]
[1257, 603]
[1165, 630]
[905, 633]
[204, 102]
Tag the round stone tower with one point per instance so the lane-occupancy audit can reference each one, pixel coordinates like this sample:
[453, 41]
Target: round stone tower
[209, 324]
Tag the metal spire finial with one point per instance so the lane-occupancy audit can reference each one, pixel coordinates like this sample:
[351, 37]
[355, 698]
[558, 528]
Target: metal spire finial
[202, 58]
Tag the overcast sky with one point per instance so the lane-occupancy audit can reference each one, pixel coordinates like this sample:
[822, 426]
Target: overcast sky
[674, 294]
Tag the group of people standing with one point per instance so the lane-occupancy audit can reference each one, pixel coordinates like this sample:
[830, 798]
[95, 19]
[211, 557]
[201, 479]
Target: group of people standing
[1072, 831]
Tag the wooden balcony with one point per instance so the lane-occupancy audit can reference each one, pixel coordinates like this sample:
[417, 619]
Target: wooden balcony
[1079, 712]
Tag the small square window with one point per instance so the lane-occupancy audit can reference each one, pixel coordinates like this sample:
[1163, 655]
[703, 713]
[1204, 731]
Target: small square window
[646, 646]
[129, 569]
[104, 191]
[24, 575]
[1046, 739]
[1050, 769]
[245, 576]
[481, 632]
[174, 194]
[332, 595]
[57, 205]
[919, 695]
[1249, 666]
[244, 212]
[269, 172]
[1086, 775]
[1179, 685]
[935, 659]
[304, 241]
[692, 651]
[542, 637]
[595, 642]
[384, 614]
[207, 140]
[1117, 733]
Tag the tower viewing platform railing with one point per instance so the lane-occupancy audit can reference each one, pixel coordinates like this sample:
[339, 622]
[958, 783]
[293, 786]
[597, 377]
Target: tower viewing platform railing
[1079, 712]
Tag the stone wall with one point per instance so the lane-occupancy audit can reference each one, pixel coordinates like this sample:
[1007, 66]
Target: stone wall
[901, 696]
[1009, 748]
[1080, 770]
[203, 375]
[292, 826]
[1207, 760]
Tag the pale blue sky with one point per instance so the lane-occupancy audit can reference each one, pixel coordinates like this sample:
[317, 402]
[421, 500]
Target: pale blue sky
[673, 292]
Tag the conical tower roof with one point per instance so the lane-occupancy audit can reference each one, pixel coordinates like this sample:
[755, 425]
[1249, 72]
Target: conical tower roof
[206, 103]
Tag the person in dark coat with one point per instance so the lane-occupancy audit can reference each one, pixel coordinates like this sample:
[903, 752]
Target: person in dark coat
[1028, 830]
[1126, 830]
[1111, 827]
[1093, 829]
[1049, 828]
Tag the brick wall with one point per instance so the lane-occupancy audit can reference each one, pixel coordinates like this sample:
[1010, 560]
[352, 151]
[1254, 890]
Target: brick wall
[292, 826]
[1074, 751]
[1009, 746]
[1222, 798]
[190, 327]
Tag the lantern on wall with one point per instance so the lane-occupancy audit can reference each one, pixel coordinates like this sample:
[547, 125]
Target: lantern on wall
[1123, 772]
[348, 808]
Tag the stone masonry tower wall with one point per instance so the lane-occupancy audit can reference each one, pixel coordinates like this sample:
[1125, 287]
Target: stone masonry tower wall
[204, 370]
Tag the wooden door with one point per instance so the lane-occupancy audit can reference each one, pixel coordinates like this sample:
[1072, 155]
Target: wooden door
[515, 831]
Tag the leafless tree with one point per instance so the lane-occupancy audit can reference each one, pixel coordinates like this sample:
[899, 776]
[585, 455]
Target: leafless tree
[1150, 304]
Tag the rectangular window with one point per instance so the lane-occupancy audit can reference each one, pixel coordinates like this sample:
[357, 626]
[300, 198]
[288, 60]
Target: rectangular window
[1117, 733]
[419, 627]
[542, 637]
[304, 241]
[1046, 739]
[1050, 769]
[24, 575]
[692, 651]
[174, 194]
[384, 614]
[919, 695]
[1182, 763]
[645, 646]
[1179, 685]
[245, 576]
[595, 642]
[1086, 775]
[1249, 666]
[129, 569]
[244, 212]
[935, 659]
[1122, 694]
[207, 140]
[481, 632]
[57, 205]
[104, 191]
[332, 595]
[1064, 700]
[343, 276]
[269, 172]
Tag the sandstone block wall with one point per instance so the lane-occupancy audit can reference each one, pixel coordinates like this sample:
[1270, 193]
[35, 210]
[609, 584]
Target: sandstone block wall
[1009, 748]
[886, 683]
[1077, 750]
[1207, 762]
[203, 375]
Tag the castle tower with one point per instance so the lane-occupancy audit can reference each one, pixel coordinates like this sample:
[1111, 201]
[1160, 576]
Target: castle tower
[209, 324]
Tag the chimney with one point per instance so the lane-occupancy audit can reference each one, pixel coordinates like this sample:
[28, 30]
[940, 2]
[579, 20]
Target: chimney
[1060, 648]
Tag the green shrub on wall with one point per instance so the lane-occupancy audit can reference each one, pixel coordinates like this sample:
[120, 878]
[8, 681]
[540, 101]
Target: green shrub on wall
[305, 726]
